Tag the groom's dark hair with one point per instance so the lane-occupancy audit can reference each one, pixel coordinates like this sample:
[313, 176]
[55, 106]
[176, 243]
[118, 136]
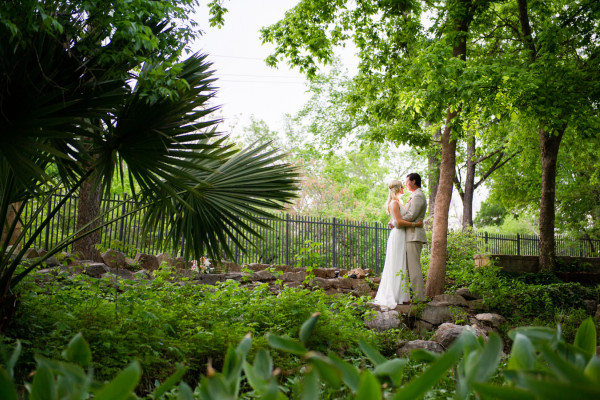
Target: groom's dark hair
[416, 178]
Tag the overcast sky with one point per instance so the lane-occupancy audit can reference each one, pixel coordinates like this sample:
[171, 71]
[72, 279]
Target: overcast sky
[246, 85]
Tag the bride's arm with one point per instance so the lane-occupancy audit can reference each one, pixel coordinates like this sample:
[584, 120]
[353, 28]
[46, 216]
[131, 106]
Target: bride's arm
[398, 217]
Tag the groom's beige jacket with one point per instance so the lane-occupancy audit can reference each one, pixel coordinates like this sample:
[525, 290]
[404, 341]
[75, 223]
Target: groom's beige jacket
[415, 211]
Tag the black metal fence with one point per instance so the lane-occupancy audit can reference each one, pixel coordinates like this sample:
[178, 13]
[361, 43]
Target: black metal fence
[289, 240]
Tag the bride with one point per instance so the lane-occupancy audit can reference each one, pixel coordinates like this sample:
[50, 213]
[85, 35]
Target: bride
[394, 285]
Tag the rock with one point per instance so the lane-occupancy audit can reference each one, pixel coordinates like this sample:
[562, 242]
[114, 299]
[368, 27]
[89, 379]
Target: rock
[264, 276]
[322, 283]
[131, 264]
[407, 309]
[466, 294]
[293, 276]
[142, 274]
[590, 306]
[113, 258]
[31, 253]
[448, 300]
[164, 258]
[359, 272]
[52, 261]
[404, 351]
[342, 283]
[491, 319]
[326, 273]
[476, 305]
[121, 272]
[436, 314]
[384, 320]
[447, 333]
[147, 261]
[295, 284]
[95, 269]
[361, 288]
[179, 263]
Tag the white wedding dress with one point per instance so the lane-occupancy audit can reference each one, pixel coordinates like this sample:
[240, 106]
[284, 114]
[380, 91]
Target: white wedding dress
[394, 285]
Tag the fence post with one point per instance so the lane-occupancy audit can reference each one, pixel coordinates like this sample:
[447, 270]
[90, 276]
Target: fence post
[333, 249]
[123, 209]
[376, 249]
[485, 239]
[518, 244]
[237, 249]
[287, 239]
[47, 244]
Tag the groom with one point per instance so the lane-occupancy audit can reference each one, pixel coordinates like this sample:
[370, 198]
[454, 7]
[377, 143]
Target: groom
[415, 236]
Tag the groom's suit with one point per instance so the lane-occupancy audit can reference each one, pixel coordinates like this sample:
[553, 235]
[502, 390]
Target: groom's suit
[415, 237]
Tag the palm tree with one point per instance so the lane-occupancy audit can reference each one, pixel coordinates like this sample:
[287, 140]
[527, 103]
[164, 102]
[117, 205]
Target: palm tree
[62, 122]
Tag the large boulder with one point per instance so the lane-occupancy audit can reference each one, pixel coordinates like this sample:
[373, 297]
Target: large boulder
[448, 300]
[466, 293]
[164, 258]
[147, 261]
[404, 350]
[95, 269]
[113, 258]
[436, 314]
[490, 319]
[447, 333]
[384, 320]
[297, 276]
[357, 272]
[31, 253]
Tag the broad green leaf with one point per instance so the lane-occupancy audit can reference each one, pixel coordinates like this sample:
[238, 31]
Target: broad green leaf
[563, 369]
[522, 355]
[502, 392]
[370, 388]
[372, 353]
[585, 338]
[14, 357]
[327, 371]
[489, 359]
[232, 366]
[350, 374]
[78, 351]
[308, 326]
[185, 392]
[286, 344]
[553, 390]
[7, 387]
[392, 368]
[536, 334]
[424, 356]
[592, 369]
[311, 386]
[244, 346]
[254, 379]
[43, 386]
[263, 364]
[169, 382]
[420, 385]
[122, 385]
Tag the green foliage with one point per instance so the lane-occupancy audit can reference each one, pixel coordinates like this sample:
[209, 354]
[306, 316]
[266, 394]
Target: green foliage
[310, 257]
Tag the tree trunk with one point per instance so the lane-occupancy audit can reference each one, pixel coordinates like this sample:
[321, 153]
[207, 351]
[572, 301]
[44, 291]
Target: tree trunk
[467, 217]
[437, 262]
[88, 209]
[433, 175]
[549, 146]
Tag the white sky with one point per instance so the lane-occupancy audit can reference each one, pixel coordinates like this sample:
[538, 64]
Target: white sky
[247, 86]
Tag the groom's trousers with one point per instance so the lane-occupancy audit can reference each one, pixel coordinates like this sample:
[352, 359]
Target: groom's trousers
[413, 263]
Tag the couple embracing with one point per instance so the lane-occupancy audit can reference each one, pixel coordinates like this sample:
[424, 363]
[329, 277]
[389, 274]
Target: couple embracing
[402, 269]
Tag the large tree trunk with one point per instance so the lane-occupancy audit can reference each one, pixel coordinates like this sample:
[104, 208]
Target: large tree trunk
[467, 198]
[437, 262]
[433, 172]
[549, 146]
[88, 210]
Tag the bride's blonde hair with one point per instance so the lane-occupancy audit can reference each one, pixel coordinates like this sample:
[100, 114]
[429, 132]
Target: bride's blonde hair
[394, 187]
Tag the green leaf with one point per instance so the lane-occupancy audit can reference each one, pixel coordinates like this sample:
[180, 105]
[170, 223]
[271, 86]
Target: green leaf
[350, 374]
[254, 379]
[14, 357]
[371, 352]
[121, 387]
[263, 364]
[310, 386]
[326, 369]
[585, 338]
[490, 357]
[43, 386]
[553, 390]
[286, 344]
[536, 334]
[592, 369]
[392, 368]
[502, 392]
[436, 371]
[7, 387]
[308, 326]
[169, 382]
[245, 344]
[423, 356]
[370, 388]
[563, 369]
[522, 354]
[78, 351]
[185, 392]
